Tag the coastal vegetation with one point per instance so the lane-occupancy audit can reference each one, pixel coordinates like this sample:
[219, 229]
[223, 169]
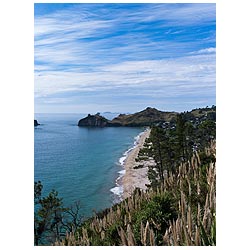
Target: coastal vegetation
[177, 209]
[52, 220]
[172, 143]
[181, 211]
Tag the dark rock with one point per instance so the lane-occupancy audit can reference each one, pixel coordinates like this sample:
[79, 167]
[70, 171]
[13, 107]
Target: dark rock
[36, 123]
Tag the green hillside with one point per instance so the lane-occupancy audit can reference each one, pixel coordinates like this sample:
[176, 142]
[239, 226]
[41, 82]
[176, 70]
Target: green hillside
[147, 117]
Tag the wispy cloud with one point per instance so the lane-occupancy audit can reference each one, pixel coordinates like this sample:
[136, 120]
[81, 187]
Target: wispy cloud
[144, 51]
[204, 51]
[190, 72]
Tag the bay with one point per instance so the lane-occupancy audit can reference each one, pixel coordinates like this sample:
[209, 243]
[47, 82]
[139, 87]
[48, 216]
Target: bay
[82, 164]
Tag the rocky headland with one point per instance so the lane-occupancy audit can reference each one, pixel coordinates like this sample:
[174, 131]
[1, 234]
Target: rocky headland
[93, 121]
[147, 117]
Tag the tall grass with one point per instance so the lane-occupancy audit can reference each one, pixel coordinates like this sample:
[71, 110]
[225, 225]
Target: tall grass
[192, 188]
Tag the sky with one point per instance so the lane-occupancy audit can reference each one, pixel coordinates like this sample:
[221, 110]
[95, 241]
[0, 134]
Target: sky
[123, 58]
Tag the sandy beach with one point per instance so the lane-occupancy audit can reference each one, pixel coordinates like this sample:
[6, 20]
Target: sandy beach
[135, 178]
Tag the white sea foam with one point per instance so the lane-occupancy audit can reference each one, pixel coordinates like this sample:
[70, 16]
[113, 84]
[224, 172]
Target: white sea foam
[125, 155]
[117, 190]
[122, 160]
[137, 138]
[122, 172]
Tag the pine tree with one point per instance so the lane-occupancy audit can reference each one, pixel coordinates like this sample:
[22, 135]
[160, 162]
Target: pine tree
[158, 148]
[48, 218]
[180, 137]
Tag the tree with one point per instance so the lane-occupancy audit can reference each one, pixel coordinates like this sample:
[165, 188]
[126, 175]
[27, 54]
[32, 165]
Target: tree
[157, 146]
[184, 138]
[37, 191]
[206, 131]
[180, 137]
[51, 219]
[168, 146]
[48, 218]
[72, 217]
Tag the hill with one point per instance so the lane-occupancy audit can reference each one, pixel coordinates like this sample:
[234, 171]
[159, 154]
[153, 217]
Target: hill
[146, 117]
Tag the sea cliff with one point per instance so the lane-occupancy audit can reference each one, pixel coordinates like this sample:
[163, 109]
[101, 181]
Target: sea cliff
[93, 121]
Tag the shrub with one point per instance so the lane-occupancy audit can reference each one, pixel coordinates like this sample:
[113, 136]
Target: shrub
[158, 211]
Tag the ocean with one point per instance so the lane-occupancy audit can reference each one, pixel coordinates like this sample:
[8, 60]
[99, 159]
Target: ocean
[82, 164]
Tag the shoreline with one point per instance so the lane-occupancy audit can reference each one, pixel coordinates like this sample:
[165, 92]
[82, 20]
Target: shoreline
[130, 178]
[134, 178]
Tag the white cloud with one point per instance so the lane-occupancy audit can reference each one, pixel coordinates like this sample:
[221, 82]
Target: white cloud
[189, 73]
[60, 38]
[173, 14]
[51, 31]
[79, 51]
[205, 51]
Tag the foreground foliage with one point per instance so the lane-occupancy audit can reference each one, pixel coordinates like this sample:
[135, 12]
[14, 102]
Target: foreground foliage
[181, 211]
[51, 219]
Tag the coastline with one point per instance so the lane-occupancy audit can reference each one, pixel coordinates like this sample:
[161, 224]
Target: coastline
[134, 178]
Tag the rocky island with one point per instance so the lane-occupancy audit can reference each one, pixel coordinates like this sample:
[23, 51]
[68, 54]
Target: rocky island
[36, 123]
[93, 121]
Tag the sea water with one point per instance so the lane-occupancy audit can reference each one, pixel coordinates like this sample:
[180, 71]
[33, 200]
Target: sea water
[82, 164]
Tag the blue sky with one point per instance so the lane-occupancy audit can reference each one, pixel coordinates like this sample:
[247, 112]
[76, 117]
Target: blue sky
[124, 57]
